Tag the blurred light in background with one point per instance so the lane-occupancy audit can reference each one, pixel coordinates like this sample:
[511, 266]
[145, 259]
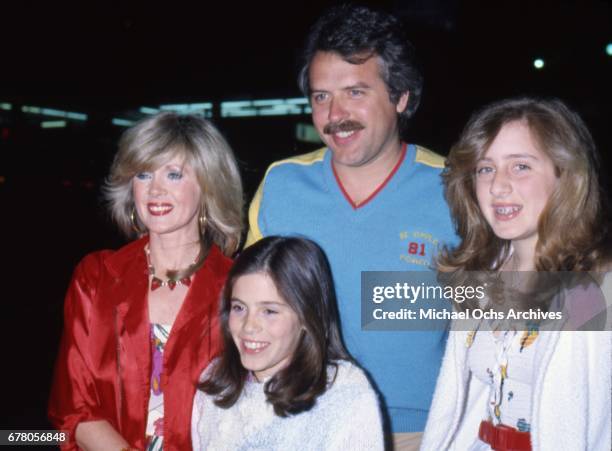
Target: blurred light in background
[53, 124]
[307, 133]
[53, 112]
[122, 122]
[265, 107]
[203, 109]
[148, 110]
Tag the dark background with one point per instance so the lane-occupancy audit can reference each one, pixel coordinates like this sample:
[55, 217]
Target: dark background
[108, 58]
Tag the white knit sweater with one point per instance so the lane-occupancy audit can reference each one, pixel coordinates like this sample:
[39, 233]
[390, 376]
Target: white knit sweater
[345, 417]
[571, 398]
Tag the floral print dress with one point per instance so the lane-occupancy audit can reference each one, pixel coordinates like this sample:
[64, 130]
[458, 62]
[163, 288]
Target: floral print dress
[155, 419]
[504, 361]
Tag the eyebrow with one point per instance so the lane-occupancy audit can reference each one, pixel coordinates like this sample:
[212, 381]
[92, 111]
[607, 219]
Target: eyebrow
[358, 85]
[282, 304]
[513, 155]
[261, 302]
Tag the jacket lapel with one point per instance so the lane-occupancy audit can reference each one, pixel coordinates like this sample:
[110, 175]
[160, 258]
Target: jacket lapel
[129, 293]
[202, 299]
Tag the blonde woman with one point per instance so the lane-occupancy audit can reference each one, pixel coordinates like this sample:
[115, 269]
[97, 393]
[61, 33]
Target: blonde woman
[141, 322]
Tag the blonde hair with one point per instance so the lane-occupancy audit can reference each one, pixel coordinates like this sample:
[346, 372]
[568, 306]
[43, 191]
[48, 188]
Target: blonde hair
[153, 141]
[571, 228]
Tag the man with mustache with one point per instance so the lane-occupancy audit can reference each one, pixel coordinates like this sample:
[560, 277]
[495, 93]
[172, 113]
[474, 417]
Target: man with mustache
[372, 201]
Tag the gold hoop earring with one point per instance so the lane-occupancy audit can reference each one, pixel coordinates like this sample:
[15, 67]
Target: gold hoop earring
[202, 220]
[134, 223]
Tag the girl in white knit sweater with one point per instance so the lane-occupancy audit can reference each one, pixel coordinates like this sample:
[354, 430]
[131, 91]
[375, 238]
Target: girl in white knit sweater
[523, 189]
[285, 380]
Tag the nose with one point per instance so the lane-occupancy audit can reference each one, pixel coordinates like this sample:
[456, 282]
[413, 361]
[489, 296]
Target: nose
[500, 185]
[251, 324]
[337, 110]
[156, 188]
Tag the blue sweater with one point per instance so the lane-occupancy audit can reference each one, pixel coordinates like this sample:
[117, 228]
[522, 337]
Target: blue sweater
[399, 229]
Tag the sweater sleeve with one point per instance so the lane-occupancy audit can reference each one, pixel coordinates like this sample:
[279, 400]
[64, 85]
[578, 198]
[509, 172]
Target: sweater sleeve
[74, 396]
[457, 406]
[360, 427]
[198, 440]
[200, 422]
[357, 422]
[572, 406]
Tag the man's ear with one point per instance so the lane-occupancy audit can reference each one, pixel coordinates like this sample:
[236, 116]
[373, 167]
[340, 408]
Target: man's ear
[402, 103]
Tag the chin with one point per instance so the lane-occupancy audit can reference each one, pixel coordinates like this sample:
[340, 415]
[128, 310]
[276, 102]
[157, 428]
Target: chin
[505, 235]
[512, 235]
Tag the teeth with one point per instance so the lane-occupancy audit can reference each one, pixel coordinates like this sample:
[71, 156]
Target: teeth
[506, 210]
[159, 208]
[254, 345]
[345, 134]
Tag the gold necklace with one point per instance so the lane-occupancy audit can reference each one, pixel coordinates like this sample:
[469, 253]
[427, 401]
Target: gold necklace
[156, 282]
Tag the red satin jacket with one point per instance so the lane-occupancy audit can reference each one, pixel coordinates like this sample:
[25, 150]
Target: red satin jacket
[103, 370]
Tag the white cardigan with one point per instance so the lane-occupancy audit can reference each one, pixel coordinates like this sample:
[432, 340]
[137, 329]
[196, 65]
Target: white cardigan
[571, 396]
[345, 417]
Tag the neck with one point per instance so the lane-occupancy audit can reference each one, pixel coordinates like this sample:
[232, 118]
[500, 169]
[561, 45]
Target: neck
[523, 256]
[360, 182]
[172, 254]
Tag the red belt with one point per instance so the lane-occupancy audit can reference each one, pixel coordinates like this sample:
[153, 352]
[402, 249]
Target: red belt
[504, 438]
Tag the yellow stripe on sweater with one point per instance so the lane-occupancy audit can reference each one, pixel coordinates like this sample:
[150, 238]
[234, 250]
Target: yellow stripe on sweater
[255, 234]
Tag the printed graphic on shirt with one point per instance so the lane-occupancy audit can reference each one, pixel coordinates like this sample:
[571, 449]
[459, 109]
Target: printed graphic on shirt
[530, 335]
[523, 426]
[418, 247]
[155, 420]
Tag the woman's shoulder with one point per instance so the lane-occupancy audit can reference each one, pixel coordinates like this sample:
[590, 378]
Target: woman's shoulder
[347, 376]
[95, 258]
[350, 391]
[201, 397]
[92, 265]
[112, 258]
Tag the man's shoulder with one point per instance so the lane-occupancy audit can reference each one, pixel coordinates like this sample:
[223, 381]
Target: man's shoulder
[428, 158]
[302, 161]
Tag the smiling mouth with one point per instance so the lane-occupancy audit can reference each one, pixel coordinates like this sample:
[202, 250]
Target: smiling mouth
[506, 212]
[344, 134]
[159, 209]
[254, 346]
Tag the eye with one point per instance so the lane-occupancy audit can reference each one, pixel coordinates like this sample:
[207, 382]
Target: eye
[175, 175]
[236, 308]
[484, 171]
[356, 93]
[319, 97]
[269, 311]
[143, 175]
[521, 167]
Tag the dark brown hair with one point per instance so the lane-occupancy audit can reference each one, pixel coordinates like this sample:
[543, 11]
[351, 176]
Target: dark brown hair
[572, 230]
[302, 276]
[358, 33]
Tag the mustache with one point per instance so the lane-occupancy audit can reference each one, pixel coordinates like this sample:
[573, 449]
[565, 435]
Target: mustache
[346, 126]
